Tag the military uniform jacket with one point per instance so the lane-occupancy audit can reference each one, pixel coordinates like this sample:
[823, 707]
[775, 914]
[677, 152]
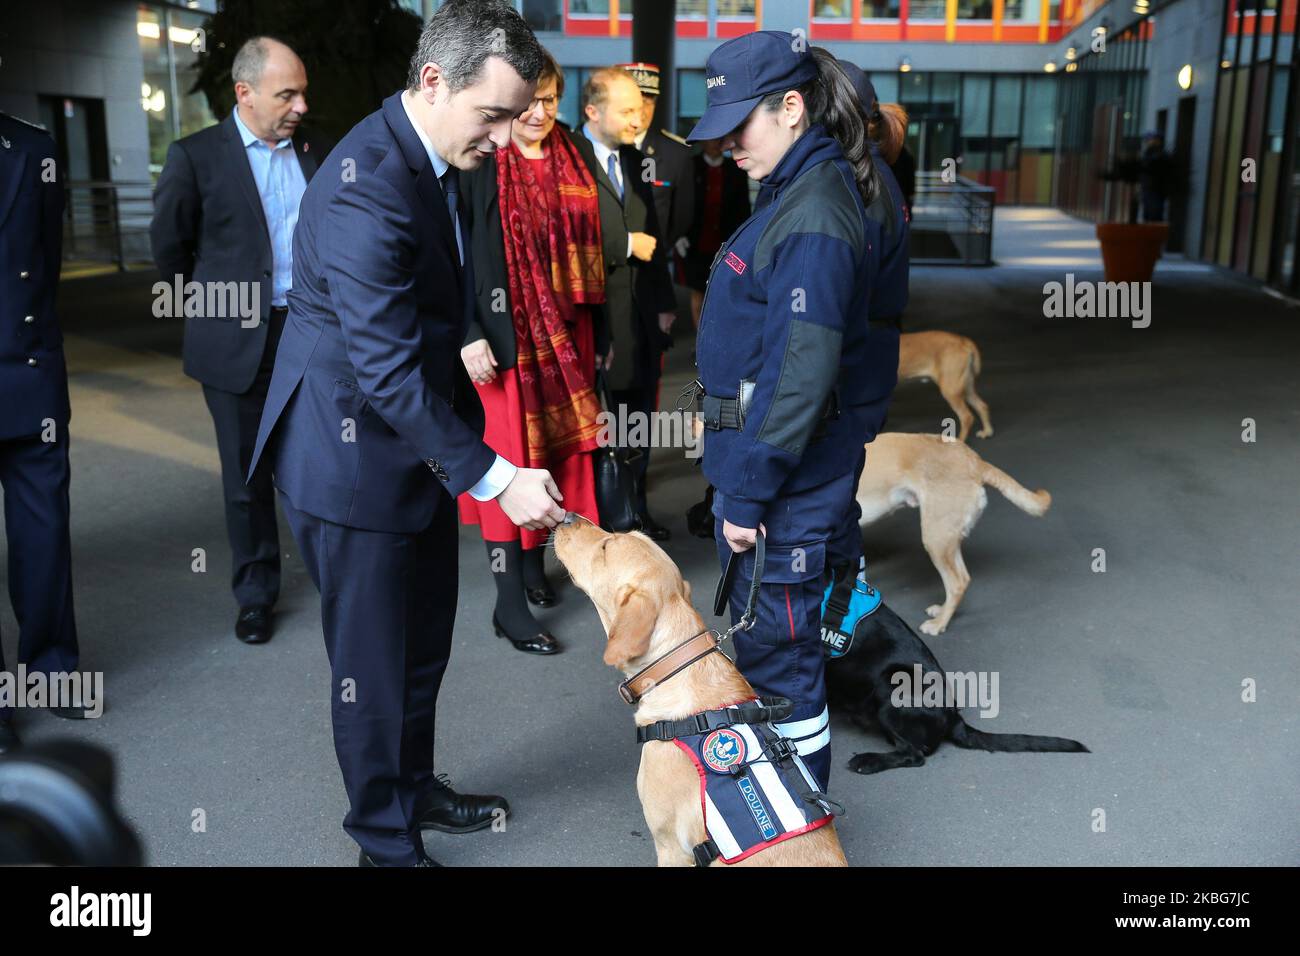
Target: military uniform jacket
[33, 375]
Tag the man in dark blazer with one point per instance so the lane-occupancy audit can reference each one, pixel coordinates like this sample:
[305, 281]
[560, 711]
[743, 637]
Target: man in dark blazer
[34, 409]
[224, 212]
[372, 426]
[639, 301]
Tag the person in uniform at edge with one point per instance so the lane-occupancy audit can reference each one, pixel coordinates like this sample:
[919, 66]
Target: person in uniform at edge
[787, 310]
[885, 132]
[34, 410]
[674, 184]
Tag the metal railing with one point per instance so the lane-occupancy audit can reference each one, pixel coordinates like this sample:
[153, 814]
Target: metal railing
[952, 222]
[107, 222]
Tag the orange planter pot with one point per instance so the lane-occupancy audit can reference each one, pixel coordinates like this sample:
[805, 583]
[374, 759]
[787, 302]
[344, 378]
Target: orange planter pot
[1129, 250]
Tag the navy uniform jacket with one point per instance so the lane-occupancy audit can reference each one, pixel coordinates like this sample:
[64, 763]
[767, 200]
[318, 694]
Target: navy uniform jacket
[674, 183]
[787, 306]
[377, 314]
[33, 376]
[209, 226]
[889, 291]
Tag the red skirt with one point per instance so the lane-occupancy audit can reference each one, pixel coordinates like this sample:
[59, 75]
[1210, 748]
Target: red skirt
[503, 407]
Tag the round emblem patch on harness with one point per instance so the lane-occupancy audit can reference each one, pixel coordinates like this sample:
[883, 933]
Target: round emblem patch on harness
[723, 749]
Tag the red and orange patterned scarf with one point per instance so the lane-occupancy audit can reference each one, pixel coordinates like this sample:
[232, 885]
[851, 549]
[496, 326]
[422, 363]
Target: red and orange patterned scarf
[556, 270]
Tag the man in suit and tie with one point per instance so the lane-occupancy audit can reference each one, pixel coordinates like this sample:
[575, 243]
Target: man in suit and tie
[373, 428]
[34, 410]
[224, 211]
[639, 301]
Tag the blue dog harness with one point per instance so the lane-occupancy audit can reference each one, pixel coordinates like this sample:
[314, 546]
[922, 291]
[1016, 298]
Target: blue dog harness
[844, 607]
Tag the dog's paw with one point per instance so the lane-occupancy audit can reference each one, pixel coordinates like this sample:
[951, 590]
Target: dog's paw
[985, 433]
[863, 763]
[933, 610]
[932, 627]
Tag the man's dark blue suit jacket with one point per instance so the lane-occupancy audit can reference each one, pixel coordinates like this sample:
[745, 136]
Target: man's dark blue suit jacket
[370, 416]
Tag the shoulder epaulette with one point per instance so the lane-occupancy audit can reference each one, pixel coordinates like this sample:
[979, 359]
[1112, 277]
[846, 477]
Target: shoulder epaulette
[675, 138]
[19, 119]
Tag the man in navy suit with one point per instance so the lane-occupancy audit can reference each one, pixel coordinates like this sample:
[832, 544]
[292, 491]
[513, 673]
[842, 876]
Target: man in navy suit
[224, 212]
[34, 409]
[373, 428]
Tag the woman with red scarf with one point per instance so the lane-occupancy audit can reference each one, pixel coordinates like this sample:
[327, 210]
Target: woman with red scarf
[533, 345]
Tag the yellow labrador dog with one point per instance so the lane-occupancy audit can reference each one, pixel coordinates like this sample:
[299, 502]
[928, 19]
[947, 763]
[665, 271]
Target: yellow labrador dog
[951, 362]
[645, 607]
[945, 479]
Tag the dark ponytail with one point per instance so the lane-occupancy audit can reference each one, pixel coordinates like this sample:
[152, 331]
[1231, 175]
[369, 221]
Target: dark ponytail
[831, 100]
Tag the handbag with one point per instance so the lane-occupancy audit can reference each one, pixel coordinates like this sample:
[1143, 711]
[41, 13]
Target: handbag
[615, 484]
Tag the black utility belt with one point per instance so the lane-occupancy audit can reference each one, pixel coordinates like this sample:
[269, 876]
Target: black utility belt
[719, 413]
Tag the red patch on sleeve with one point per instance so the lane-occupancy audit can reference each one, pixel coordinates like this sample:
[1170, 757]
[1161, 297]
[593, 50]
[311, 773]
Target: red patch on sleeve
[736, 263]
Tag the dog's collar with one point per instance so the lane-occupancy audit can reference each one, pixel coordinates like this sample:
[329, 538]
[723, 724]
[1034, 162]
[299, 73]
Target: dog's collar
[678, 659]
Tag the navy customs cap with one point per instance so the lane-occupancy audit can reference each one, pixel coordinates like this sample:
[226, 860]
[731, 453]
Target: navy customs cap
[742, 71]
[862, 85]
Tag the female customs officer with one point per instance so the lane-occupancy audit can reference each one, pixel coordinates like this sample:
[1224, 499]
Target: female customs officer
[783, 352]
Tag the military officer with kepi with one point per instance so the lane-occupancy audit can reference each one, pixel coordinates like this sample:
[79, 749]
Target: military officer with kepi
[34, 409]
[674, 174]
[784, 354]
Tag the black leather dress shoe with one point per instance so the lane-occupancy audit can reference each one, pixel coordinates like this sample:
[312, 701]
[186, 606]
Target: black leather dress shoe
[442, 808]
[364, 860]
[654, 530]
[9, 741]
[542, 597]
[541, 643]
[253, 626]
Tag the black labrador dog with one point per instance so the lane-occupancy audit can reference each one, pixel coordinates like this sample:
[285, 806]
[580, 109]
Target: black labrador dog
[859, 683]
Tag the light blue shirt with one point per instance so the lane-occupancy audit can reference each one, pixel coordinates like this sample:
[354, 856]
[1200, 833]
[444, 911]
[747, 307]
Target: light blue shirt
[603, 153]
[280, 183]
[502, 472]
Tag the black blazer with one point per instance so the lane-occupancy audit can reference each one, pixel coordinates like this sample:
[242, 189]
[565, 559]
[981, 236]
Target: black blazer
[208, 226]
[493, 319]
[635, 291]
[674, 185]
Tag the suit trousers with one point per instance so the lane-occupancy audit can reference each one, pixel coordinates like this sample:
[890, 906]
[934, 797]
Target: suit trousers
[250, 507]
[388, 604]
[35, 476]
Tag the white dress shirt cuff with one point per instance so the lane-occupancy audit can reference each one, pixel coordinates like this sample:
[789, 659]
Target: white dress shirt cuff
[494, 481]
[629, 245]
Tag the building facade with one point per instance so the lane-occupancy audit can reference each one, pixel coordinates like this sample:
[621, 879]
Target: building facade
[1036, 99]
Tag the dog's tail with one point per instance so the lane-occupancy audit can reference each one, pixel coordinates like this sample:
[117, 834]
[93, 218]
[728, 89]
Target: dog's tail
[1035, 503]
[974, 358]
[964, 735]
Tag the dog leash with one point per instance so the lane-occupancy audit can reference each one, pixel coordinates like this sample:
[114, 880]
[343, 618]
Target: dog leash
[728, 578]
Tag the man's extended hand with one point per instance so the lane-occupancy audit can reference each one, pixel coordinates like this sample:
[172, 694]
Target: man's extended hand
[643, 246]
[531, 500]
[604, 363]
[740, 539]
[479, 361]
[666, 320]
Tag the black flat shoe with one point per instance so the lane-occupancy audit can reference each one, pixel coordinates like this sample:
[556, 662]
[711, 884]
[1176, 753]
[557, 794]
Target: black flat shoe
[253, 626]
[654, 530]
[542, 643]
[542, 597]
[364, 860]
[9, 741]
[442, 808]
